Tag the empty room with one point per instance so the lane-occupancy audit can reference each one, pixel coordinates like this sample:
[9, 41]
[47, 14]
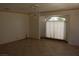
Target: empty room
[39, 29]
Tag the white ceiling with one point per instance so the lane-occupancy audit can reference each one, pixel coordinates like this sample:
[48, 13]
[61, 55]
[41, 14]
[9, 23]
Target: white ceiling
[43, 7]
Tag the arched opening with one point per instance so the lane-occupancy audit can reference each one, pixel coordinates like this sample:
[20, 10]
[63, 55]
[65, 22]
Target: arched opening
[55, 28]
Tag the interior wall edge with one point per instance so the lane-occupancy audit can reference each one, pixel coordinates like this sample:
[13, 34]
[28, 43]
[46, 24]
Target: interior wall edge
[63, 12]
[14, 12]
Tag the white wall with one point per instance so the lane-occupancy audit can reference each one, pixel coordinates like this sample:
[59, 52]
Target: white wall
[42, 26]
[74, 29]
[34, 26]
[72, 33]
[13, 27]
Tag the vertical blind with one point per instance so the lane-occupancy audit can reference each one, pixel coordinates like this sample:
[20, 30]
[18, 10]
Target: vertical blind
[55, 29]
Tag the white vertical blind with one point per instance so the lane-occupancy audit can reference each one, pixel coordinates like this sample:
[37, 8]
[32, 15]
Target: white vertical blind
[47, 29]
[51, 29]
[55, 29]
[59, 30]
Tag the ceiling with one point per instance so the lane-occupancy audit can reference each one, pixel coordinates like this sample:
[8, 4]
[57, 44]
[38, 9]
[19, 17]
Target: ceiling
[43, 7]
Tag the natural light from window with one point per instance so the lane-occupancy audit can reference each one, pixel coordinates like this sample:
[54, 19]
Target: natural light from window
[56, 19]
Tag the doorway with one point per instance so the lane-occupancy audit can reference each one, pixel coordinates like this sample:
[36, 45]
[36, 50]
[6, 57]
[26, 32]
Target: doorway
[55, 28]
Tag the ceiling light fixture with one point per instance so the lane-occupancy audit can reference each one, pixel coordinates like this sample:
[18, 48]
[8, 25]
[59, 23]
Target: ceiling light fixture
[35, 9]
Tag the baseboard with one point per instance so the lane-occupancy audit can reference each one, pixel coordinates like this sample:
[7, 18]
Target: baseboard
[54, 39]
[11, 41]
[32, 38]
[73, 44]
